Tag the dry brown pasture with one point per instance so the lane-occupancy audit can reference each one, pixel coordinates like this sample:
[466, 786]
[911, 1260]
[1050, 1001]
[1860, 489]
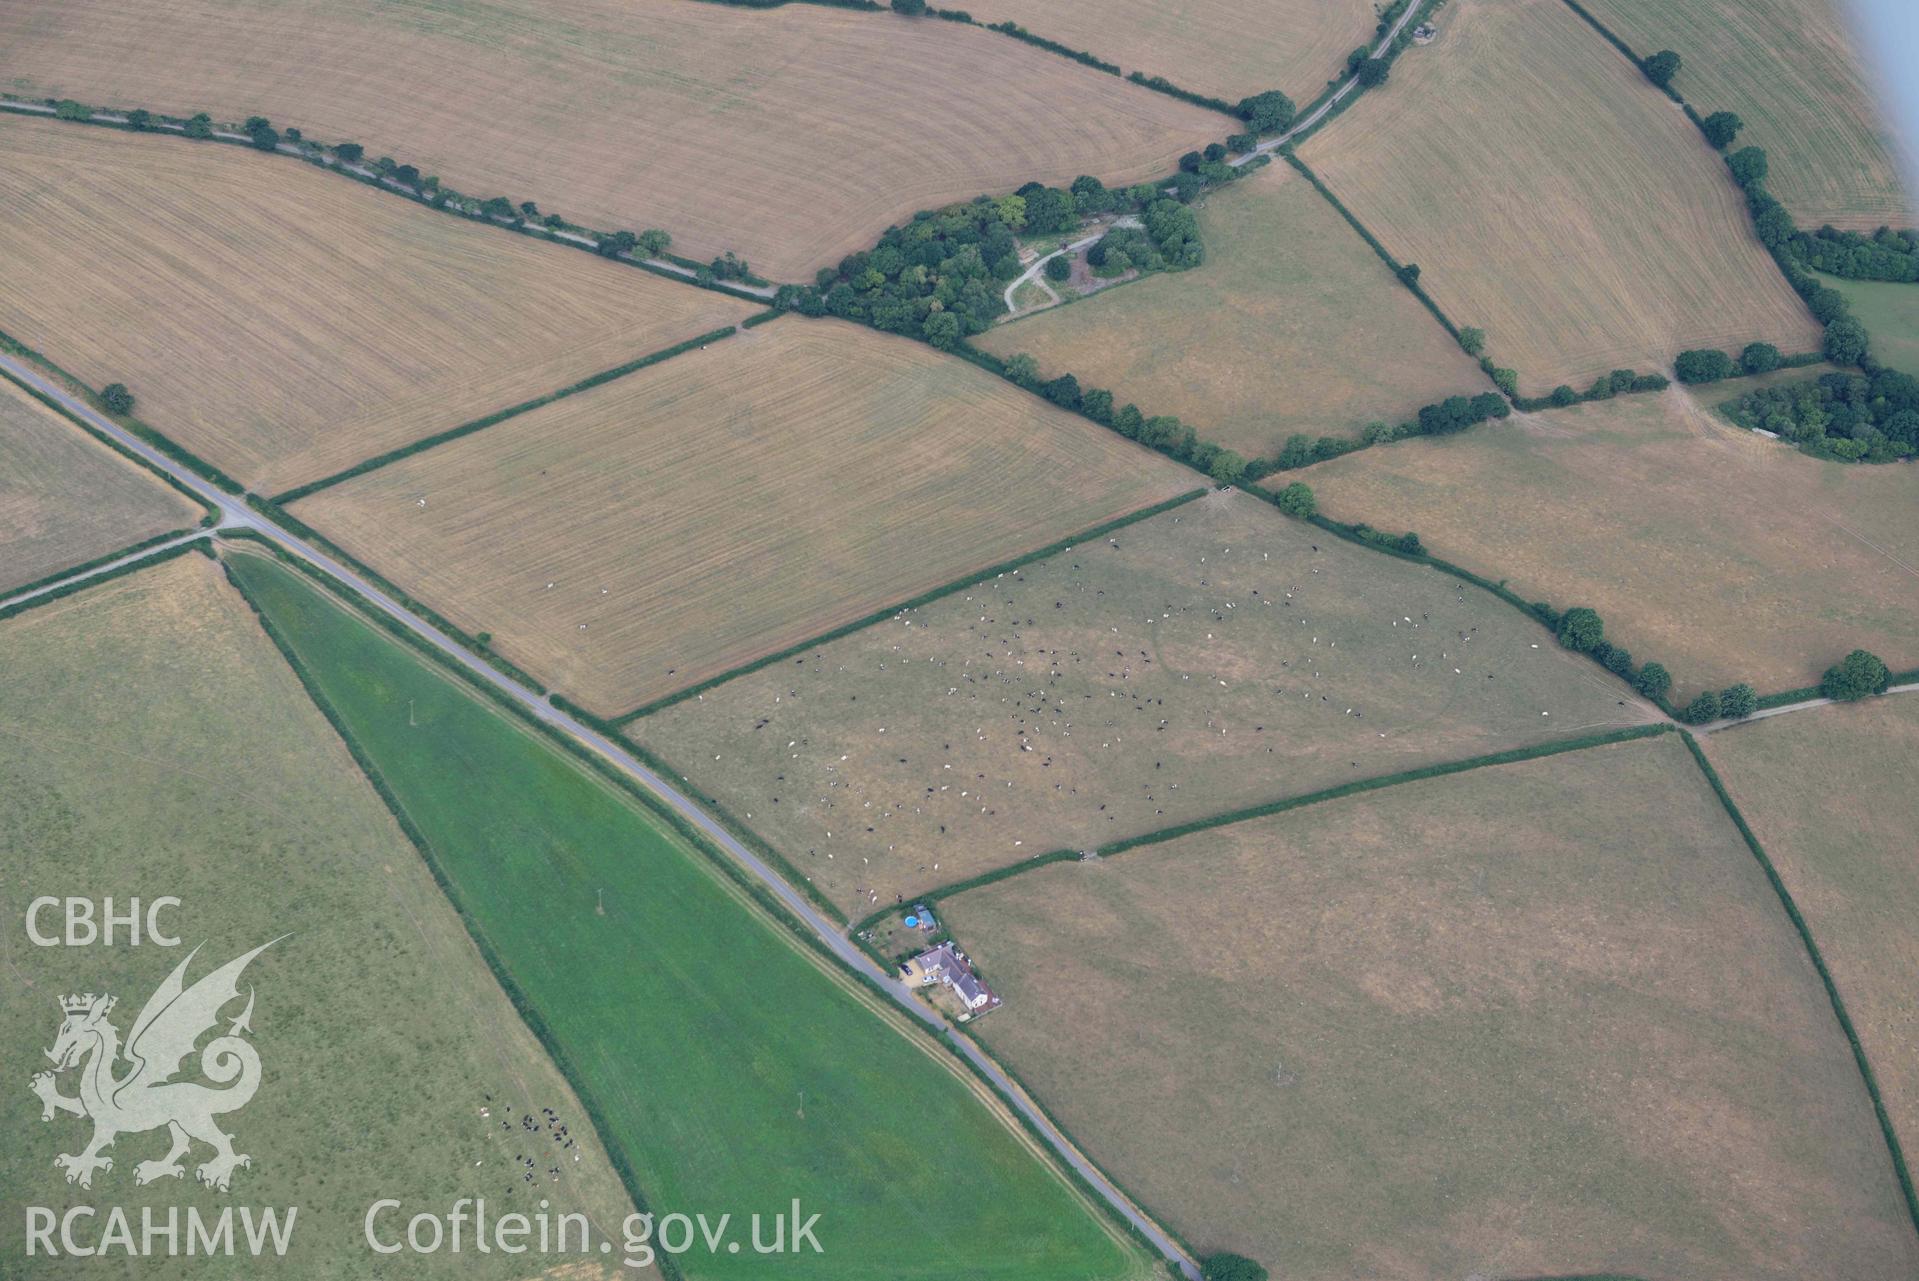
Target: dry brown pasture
[1723, 555]
[1227, 48]
[1556, 200]
[66, 499]
[1543, 1019]
[1829, 794]
[1793, 71]
[730, 502]
[792, 136]
[1211, 657]
[283, 323]
[1291, 325]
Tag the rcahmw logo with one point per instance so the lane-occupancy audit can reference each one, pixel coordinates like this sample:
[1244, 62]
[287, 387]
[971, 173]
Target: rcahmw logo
[130, 1088]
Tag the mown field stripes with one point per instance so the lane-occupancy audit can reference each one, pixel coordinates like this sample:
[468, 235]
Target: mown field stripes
[480, 424]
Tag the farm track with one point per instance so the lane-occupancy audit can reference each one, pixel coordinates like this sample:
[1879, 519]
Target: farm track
[299, 152]
[1339, 95]
[236, 515]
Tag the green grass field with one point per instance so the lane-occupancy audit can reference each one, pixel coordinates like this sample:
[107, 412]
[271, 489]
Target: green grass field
[1890, 312]
[1830, 796]
[1215, 656]
[1541, 1019]
[1269, 336]
[152, 742]
[727, 1068]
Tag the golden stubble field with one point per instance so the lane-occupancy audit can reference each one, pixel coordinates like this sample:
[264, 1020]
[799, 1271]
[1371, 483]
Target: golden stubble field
[791, 136]
[1793, 71]
[655, 531]
[1227, 48]
[1829, 794]
[1212, 657]
[284, 323]
[1554, 199]
[1291, 325]
[1722, 555]
[154, 741]
[1544, 1019]
[66, 499]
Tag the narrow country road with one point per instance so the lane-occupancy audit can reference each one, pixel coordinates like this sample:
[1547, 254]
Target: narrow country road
[235, 514]
[1339, 95]
[325, 161]
[1713, 727]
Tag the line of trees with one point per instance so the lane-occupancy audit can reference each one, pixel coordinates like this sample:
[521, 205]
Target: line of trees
[1162, 432]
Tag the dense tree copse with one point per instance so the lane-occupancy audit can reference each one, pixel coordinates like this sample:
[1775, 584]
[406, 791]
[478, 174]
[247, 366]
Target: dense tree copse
[1738, 701]
[1748, 165]
[1759, 358]
[1720, 128]
[1704, 707]
[1268, 112]
[1230, 1267]
[139, 120]
[1661, 67]
[1297, 500]
[1851, 416]
[1653, 681]
[116, 398]
[1702, 365]
[1372, 73]
[1884, 255]
[198, 127]
[1581, 629]
[1845, 341]
[1860, 674]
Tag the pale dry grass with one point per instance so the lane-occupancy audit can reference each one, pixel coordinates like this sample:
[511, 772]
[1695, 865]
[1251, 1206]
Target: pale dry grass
[730, 502]
[65, 499]
[1542, 1019]
[1722, 555]
[283, 323]
[1792, 70]
[1829, 794]
[1226, 48]
[153, 741]
[1291, 325]
[1554, 199]
[791, 136]
[1215, 656]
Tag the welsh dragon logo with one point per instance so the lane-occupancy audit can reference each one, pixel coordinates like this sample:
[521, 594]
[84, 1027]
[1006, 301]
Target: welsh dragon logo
[131, 1090]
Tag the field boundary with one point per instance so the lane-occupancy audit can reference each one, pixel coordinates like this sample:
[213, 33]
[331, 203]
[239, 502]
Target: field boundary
[1032, 1096]
[131, 549]
[926, 597]
[521, 1005]
[759, 897]
[1266, 808]
[440, 198]
[203, 545]
[272, 510]
[207, 514]
[425, 443]
[1899, 1167]
[159, 440]
[1758, 202]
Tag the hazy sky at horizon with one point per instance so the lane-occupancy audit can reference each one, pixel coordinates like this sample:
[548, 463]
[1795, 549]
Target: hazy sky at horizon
[1889, 35]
